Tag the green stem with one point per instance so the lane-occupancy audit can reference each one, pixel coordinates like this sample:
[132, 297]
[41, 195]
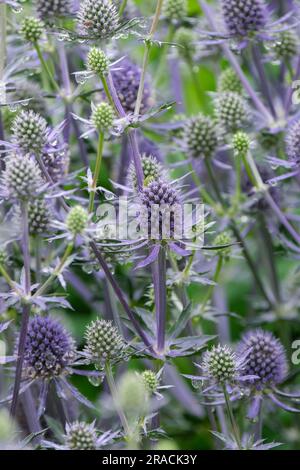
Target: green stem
[97, 171]
[47, 69]
[238, 170]
[122, 7]
[38, 259]
[194, 76]
[233, 423]
[163, 54]
[9, 280]
[203, 193]
[107, 92]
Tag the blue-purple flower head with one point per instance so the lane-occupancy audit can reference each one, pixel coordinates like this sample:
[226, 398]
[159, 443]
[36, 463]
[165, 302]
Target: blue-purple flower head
[243, 17]
[98, 19]
[266, 358]
[50, 9]
[49, 348]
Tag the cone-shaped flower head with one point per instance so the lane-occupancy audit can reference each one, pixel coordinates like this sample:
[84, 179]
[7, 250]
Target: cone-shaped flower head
[293, 143]
[223, 239]
[266, 358]
[81, 436]
[30, 131]
[150, 380]
[97, 61]
[229, 82]
[98, 18]
[241, 143]
[152, 169]
[38, 216]
[244, 16]
[49, 9]
[175, 9]
[103, 117]
[231, 111]
[287, 45]
[49, 348]
[185, 37]
[22, 177]
[77, 220]
[127, 81]
[103, 342]
[220, 364]
[201, 136]
[32, 29]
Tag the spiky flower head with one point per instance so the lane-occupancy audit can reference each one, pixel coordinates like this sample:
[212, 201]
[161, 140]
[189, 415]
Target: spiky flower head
[127, 81]
[81, 436]
[150, 380]
[293, 142]
[32, 29]
[103, 117]
[241, 143]
[49, 348]
[38, 216]
[175, 9]
[159, 193]
[22, 177]
[286, 45]
[97, 61]
[185, 37]
[201, 136]
[77, 220]
[103, 342]
[133, 396]
[244, 16]
[220, 364]
[229, 82]
[221, 240]
[152, 169]
[50, 9]
[30, 131]
[231, 111]
[266, 358]
[56, 158]
[98, 18]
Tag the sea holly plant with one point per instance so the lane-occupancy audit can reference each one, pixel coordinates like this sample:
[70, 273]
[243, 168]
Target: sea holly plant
[150, 234]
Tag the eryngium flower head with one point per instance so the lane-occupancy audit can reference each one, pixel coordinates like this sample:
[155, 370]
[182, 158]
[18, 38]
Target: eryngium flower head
[231, 111]
[127, 80]
[49, 348]
[81, 436]
[150, 380]
[229, 82]
[103, 117]
[244, 16]
[49, 9]
[221, 240]
[32, 29]
[293, 143]
[286, 45]
[56, 159]
[38, 216]
[201, 136]
[97, 61]
[77, 220]
[240, 143]
[152, 169]
[266, 358]
[98, 18]
[103, 342]
[133, 396]
[175, 9]
[220, 364]
[185, 37]
[30, 131]
[159, 193]
[22, 177]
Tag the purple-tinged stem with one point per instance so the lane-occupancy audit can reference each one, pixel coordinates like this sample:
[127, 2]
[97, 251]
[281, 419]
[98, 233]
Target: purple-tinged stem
[263, 80]
[282, 218]
[160, 294]
[25, 313]
[176, 85]
[236, 66]
[31, 412]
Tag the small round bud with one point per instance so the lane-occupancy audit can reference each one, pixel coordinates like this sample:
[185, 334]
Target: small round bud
[98, 18]
[152, 170]
[267, 358]
[240, 143]
[201, 136]
[220, 364]
[244, 16]
[32, 29]
[103, 117]
[150, 380]
[103, 342]
[229, 82]
[231, 111]
[287, 45]
[175, 9]
[97, 61]
[49, 9]
[223, 239]
[22, 177]
[30, 131]
[81, 436]
[77, 220]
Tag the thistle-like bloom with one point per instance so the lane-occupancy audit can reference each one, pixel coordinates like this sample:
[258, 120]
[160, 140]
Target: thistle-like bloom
[127, 80]
[287, 45]
[151, 380]
[229, 82]
[244, 16]
[175, 9]
[77, 220]
[201, 137]
[21, 178]
[231, 111]
[241, 143]
[39, 216]
[98, 19]
[103, 343]
[152, 170]
[223, 240]
[49, 348]
[103, 117]
[32, 29]
[98, 62]
[220, 365]
[50, 9]
[133, 397]
[81, 436]
[30, 131]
